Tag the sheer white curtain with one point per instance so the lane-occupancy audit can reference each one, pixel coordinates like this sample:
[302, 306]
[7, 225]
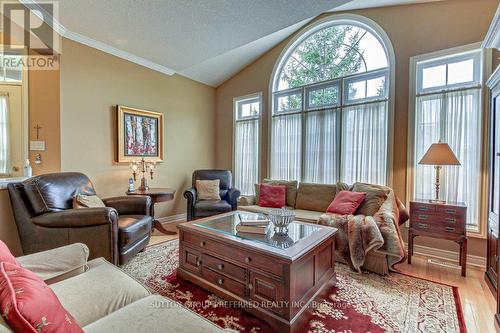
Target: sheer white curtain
[286, 147]
[4, 134]
[454, 118]
[364, 143]
[246, 162]
[320, 148]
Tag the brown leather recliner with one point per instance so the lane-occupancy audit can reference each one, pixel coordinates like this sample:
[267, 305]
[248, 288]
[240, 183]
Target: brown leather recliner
[45, 218]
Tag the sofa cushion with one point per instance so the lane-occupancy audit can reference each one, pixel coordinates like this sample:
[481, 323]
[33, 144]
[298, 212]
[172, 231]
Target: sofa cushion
[6, 255]
[375, 197]
[273, 196]
[315, 197]
[346, 202]
[103, 289]
[132, 228]
[28, 305]
[309, 216]
[153, 314]
[219, 206]
[291, 190]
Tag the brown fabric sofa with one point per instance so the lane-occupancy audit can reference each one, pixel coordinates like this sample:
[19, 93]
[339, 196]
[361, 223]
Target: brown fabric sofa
[310, 202]
[45, 218]
[103, 298]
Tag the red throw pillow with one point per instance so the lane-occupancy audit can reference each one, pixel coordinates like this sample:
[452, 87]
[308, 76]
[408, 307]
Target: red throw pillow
[346, 202]
[273, 196]
[29, 305]
[6, 255]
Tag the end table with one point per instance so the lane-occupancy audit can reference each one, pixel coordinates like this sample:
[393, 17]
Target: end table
[157, 195]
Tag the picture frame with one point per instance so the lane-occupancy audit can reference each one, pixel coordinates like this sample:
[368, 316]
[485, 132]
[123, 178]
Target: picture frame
[140, 135]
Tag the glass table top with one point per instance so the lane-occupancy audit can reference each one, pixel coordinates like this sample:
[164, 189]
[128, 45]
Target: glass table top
[227, 225]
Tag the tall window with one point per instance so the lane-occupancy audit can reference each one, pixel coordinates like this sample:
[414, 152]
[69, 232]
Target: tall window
[330, 118]
[247, 111]
[4, 134]
[448, 109]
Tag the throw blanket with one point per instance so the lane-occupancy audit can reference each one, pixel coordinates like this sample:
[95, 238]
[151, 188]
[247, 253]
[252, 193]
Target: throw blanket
[359, 234]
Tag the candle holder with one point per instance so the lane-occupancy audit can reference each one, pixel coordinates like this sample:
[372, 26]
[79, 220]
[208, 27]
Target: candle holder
[143, 167]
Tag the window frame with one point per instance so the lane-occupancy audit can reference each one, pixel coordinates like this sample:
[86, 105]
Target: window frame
[444, 56]
[338, 19]
[236, 109]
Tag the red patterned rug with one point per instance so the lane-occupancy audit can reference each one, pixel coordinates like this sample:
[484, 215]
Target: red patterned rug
[364, 302]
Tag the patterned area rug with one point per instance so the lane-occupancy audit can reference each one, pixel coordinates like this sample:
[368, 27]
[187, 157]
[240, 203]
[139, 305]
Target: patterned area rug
[364, 302]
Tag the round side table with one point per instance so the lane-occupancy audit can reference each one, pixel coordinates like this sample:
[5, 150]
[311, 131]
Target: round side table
[157, 195]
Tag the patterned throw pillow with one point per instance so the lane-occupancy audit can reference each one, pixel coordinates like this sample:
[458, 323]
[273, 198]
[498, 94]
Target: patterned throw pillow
[6, 255]
[273, 196]
[28, 305]
[208, 189]
[87, 201]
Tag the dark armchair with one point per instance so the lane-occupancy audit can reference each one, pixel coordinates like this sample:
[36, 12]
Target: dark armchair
[203, 208]
[45, 218]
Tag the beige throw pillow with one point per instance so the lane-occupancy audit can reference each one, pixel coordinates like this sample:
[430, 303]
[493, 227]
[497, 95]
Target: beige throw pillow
[87, 201]
[208, 189]
[375, 197]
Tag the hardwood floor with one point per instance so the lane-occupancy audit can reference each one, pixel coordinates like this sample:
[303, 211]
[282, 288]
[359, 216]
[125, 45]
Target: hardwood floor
[478, 303]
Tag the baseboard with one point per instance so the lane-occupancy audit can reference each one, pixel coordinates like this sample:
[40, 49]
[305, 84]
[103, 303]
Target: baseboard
[173, 218]
[448, 255]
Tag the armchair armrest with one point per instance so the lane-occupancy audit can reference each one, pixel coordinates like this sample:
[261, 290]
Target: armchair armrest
[130, 205]
[57, 264]
[190, 195]
[232, 197]
[74, 218]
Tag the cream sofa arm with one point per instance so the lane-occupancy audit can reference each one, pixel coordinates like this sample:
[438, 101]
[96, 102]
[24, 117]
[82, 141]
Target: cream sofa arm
[246, 200]
[57, 264]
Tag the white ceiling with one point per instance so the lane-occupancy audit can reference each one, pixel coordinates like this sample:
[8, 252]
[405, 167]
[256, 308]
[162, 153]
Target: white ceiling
[206, 40]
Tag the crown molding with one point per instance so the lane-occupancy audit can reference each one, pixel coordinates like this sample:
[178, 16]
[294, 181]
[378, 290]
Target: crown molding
[66, 33]
[492, 39]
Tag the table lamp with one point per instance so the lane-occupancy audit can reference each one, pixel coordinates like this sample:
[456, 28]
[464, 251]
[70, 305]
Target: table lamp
[439, 154]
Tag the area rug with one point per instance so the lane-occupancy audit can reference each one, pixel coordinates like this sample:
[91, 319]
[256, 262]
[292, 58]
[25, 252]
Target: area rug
[360, 302]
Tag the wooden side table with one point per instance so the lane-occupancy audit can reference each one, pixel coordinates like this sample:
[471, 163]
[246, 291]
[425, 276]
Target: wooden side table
[157, 195]
[444, 221]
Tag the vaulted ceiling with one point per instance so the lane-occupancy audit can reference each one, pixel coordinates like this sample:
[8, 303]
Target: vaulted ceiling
[206, 40]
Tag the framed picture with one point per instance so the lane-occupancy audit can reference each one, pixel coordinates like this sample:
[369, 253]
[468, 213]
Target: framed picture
[140, 135]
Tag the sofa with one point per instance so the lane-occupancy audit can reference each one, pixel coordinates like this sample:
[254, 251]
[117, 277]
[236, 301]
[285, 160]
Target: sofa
[45, 218]
[310, 202]
[103, 298]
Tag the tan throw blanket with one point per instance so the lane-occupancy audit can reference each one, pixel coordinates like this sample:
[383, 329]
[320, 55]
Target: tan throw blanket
[360, 234]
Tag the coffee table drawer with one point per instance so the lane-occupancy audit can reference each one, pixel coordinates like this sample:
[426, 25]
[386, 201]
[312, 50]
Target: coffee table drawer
[222, 281]
[224, 267]
[252, 259]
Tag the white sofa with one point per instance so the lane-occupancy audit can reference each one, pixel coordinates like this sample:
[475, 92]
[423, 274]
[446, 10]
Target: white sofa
[103, 298]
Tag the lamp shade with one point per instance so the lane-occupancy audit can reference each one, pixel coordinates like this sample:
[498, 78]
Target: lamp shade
[439, 154]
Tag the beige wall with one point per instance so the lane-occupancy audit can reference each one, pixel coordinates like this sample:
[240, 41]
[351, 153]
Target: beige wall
[413, 30]
[93, 83]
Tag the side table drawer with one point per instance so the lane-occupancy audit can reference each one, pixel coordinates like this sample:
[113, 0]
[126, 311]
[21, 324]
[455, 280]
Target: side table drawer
[416, 207]
[451, 211]
[438, 228]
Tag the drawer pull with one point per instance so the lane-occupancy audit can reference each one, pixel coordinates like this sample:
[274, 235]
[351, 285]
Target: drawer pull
[450, 229]
[423, 226]
[250, 286]
[423, 217]
[423, 209]
[450, 211]
[202, 243]
[248, 259]
[220, 266]
[450, 220]
[220, 281]
[198, 263]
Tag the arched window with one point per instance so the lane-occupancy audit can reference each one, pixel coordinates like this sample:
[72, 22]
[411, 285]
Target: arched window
[330, 104]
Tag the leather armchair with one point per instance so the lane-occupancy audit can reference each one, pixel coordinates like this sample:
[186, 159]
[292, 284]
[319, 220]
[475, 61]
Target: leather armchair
[45, 218]
[203, 208]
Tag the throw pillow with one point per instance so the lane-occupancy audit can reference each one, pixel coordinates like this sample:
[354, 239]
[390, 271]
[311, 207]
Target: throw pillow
[291, 189]
[375, 197]
[29, 305]
[87, 201]
[346, 202]
[208, 189]
[6, 255]
[273, 196]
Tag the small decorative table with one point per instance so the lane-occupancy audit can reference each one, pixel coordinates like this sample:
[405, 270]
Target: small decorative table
[157, 195]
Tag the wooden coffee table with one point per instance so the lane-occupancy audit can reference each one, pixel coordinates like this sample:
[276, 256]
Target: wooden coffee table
[273, 277]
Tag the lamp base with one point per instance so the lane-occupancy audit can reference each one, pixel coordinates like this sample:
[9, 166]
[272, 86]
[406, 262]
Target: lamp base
[437, 201]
